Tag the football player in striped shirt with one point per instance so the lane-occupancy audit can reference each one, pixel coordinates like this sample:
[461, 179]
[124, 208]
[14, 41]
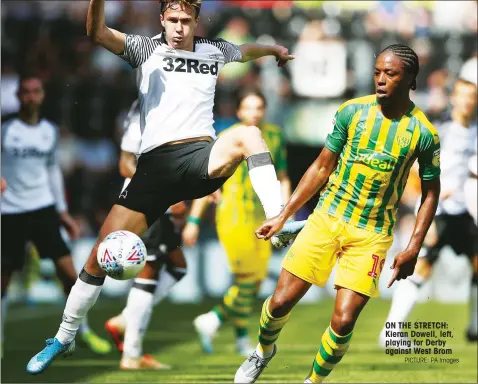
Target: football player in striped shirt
[362, 173]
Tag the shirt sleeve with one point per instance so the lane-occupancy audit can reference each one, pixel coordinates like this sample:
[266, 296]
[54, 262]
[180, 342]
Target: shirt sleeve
[336, 140]
[231, 52]
[138, 49]
[131, 140]
[429, 155]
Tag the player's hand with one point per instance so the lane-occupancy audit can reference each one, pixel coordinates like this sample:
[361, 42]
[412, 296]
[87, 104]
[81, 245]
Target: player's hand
[283, 56]
[70, 225]
[190, 234]
[403, 265]
[269, 228]
[3, 185]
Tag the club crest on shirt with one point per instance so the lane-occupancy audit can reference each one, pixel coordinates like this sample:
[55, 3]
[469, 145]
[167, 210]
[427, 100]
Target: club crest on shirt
[404, 139]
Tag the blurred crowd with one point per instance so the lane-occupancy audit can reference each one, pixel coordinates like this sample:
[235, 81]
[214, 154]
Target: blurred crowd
[89, 90]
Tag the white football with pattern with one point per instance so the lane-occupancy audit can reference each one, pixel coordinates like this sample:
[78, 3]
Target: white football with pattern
[122, 255]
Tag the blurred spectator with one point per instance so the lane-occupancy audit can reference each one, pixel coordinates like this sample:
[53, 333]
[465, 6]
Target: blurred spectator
[319, 69]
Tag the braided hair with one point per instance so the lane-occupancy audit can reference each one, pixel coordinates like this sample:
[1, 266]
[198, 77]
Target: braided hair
[409, 59]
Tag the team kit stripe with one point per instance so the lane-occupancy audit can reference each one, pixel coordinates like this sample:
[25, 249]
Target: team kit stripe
[138, 49]
[373, 167]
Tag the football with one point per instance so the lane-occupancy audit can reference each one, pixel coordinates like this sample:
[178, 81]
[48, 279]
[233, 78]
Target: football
[122, 255]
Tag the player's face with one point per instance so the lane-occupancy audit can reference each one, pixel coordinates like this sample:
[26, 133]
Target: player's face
[179, 22]
[390, 77]
[31, 94]
[464, 98]
[251, 111]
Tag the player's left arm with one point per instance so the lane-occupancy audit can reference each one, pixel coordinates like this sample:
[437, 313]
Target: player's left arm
[57, 187]
[429, 171]
[254, 51]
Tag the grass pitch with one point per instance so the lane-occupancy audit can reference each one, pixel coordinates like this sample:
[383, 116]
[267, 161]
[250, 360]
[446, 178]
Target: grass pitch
[171, 338]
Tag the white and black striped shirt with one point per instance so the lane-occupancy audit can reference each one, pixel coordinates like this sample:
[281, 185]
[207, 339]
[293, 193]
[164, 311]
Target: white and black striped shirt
[176, 87]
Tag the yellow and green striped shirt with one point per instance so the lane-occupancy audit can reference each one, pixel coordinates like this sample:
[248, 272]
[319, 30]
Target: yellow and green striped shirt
[239, 202]
[376, 155]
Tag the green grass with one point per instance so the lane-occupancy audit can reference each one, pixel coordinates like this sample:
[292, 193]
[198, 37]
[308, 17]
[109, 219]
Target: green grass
[171, 338]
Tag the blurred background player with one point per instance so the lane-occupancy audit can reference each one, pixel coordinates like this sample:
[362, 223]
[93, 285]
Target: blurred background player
[453, 224]
[33, 204]
[368, 155]
[239, 213]
[165, 264]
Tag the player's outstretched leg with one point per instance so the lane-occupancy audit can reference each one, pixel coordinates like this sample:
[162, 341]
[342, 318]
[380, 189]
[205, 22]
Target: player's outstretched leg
[246, 143]
[336, 338]
[275, 314]
[85, 292]
[67, 275]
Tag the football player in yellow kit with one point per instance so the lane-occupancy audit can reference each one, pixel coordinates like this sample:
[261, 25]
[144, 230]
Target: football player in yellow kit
[361, 174]
[238, 214]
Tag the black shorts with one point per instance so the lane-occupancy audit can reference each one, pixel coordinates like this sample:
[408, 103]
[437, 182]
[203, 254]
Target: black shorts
[457, 231]
[167, 175]
[161, 238]
[41, 227]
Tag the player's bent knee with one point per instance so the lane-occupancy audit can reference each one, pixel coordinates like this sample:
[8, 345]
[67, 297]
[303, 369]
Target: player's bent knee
[280, 305]
[343, 322]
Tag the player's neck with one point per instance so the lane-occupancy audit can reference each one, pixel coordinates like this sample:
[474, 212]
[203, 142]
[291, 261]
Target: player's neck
[395, 109]
[29, 118]
[460, 118]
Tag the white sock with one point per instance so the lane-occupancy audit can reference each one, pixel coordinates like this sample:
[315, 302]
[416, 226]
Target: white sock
[138, 315]
[403, 301]
[84, 326]
[4, 314]
[473, 328]
[168, 277]
[261, 354]
[83, 296]
[264, 181]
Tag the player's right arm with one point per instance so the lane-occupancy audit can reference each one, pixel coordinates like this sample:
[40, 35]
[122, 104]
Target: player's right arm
[113, 40]
[127, 164]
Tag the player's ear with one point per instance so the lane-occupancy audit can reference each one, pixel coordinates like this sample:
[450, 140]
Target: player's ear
[197, 20]
[161, 17]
